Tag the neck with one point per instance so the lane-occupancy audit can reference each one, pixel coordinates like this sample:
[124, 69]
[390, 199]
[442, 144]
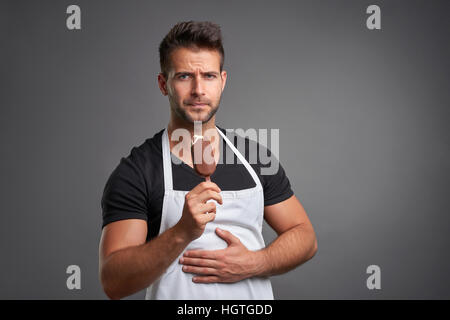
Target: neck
[177, 123]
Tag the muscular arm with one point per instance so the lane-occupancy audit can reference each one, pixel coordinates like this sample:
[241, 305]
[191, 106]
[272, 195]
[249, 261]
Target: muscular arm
[296, 242]
[128, 264]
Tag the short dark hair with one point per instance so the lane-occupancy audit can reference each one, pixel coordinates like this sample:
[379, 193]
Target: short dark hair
[190, 34]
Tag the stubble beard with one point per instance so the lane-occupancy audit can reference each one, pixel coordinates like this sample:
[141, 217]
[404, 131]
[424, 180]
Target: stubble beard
[181, 113]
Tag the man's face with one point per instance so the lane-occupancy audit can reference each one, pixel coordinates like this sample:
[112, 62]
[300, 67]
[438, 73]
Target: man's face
[195, 84]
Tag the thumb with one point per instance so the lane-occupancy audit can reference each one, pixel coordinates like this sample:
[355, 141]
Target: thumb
[227, 236]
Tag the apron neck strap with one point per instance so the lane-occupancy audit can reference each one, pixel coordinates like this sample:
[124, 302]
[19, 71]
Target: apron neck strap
[242, 159]
[167, 162]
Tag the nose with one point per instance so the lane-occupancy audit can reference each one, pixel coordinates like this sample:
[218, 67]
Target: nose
[198, 87]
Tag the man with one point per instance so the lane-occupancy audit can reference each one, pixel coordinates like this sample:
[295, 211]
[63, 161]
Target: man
[167, 229]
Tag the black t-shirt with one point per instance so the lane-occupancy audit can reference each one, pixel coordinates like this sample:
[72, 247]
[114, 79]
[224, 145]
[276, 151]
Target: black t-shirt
[135, 189]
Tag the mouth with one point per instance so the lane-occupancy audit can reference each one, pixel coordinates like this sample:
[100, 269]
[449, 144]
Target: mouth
[197, 105]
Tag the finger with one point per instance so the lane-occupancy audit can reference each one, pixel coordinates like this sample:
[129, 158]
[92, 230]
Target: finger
[227, 236]
[204, 254]
[202, 208]
[208, 217]
[204, 186]
[206, 279]
[200, 270]
[208, 195]
[198, 262]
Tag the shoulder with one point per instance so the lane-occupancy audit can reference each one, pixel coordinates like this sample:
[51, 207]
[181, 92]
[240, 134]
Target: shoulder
[138, 167]
[145, 154]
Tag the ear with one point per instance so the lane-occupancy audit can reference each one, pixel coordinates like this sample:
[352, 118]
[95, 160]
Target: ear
[162, 83]
[223, 74]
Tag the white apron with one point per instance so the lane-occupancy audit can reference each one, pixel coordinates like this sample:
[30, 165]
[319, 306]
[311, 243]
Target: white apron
[241, 213]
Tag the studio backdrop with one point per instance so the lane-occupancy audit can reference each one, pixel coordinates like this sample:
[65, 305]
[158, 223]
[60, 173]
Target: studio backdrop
[359, 91]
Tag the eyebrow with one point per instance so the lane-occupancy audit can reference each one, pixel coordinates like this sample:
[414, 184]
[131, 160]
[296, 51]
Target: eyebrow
[191, 73]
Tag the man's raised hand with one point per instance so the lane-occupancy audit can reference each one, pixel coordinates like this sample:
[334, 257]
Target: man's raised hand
[197, 212]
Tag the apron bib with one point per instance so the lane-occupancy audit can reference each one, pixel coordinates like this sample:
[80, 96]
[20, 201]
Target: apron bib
[241, 213]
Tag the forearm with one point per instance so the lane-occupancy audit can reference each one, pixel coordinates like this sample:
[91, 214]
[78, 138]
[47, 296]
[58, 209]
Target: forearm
[132, 269]
[289, 250]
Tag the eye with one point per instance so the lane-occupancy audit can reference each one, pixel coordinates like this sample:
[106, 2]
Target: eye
[183, 76]
[210, 76]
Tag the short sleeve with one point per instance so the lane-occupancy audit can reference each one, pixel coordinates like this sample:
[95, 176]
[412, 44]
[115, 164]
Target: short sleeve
[274, 180]
[277, 187]
[124, 195]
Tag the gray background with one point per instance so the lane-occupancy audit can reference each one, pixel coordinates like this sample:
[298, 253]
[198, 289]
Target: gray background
[362, 116]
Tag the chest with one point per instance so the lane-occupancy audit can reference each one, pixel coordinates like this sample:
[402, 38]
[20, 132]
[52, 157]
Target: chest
[227, 177]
